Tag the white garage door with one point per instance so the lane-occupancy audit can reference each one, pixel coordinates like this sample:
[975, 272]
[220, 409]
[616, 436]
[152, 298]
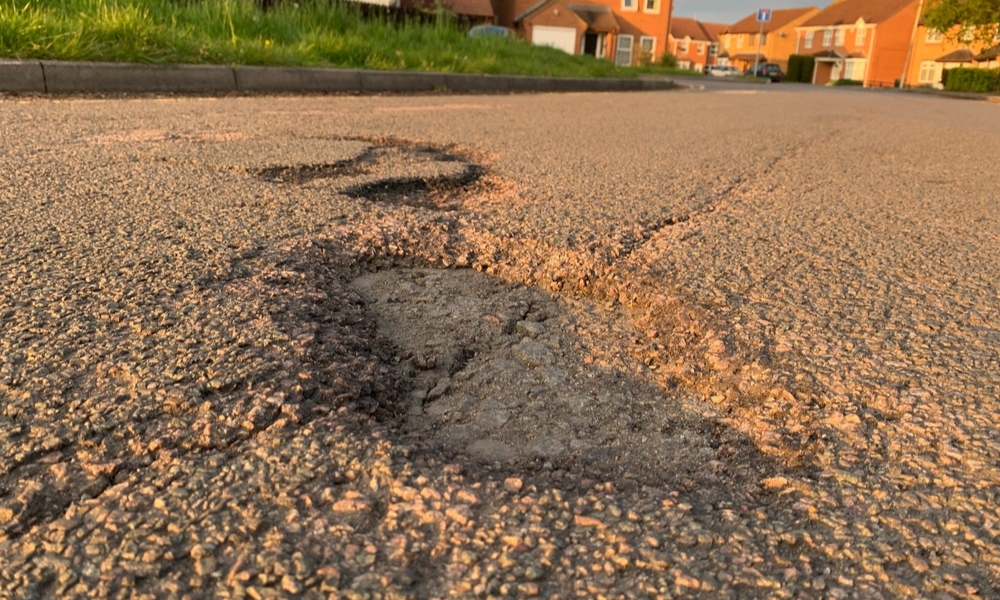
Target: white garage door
[563, 38]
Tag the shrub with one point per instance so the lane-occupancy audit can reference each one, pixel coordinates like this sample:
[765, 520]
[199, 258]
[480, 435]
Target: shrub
[794, 68]
[668, 60]
[973, 80]
[847, 82]
[800, 68]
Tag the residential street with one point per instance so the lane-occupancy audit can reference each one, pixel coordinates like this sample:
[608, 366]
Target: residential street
[741, 342]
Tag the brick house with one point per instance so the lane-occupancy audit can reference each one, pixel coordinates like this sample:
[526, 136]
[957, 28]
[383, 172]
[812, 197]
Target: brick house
[860, 40]
[628, 32]
[778, 42]
[695, 44]
[933, 52]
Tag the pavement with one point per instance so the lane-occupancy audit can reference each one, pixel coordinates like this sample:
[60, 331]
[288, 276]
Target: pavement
[735, 343]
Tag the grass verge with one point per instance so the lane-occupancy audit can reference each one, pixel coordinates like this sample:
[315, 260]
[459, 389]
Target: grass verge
[237, 32]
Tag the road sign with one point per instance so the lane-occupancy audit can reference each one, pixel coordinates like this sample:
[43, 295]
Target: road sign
[763, 15]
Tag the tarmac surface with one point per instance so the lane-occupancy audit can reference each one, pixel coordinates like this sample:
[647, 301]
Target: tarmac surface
[735, 343]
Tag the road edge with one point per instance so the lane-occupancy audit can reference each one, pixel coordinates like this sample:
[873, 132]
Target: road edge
[66, 77]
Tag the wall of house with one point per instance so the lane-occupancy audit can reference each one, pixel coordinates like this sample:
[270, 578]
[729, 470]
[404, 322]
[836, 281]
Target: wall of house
[781, 42]
[506, 10]
[698, 61]
[641, 22]
[556, 15]
[892, 42]
[924, 51]
[637, 23]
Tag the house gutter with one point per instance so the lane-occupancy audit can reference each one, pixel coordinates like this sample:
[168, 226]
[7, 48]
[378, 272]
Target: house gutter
[909, 51]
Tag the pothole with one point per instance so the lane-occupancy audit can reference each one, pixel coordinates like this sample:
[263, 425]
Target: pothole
[501, 373]
[389, 171]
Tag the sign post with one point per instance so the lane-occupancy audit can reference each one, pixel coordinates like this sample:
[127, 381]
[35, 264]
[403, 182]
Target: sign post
[763, 16]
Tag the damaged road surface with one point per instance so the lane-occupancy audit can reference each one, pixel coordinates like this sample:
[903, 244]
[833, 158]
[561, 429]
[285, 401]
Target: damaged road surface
[428, 347]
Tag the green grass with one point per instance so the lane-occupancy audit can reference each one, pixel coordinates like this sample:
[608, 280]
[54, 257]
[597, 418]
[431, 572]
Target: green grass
[237, 32]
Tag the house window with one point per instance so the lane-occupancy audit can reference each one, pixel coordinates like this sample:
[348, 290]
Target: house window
[967, 35]
[809, 39]
[763, 39]
[647, 45]
[827, 37]
[740, 40]
[929, 72]
[623, 53]
[848, 69]
[713, 49]
[840, 36]
[859, 35]
[933, 36]
[652, 6]
[753, 39]
[629, 5]
[684, 46]
[701, 49]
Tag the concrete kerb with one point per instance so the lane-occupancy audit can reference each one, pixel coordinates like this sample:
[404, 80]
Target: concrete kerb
[296, 79]
[124, 77]
[401, 81]
[22, 76]
[92, 77]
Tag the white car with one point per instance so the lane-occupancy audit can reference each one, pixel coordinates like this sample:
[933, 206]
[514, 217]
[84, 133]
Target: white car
[723, 71]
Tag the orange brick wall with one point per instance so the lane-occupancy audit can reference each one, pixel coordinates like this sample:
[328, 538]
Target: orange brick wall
[931, 51]
[891, 44]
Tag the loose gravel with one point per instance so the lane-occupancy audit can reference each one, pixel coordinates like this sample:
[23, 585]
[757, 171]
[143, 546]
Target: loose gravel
[431, 347]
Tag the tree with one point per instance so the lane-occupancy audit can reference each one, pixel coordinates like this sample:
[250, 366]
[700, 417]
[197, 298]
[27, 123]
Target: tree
[979, 19]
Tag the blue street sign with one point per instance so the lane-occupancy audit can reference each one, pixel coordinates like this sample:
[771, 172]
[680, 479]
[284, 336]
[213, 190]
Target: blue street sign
[763, 15]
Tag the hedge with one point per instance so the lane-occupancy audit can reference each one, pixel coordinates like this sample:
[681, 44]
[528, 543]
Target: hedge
[973, 80]
[800, 68]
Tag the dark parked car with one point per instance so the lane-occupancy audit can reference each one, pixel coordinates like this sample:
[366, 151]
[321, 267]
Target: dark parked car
[769, 71]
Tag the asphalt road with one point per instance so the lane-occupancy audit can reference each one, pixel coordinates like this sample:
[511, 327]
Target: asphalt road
[789, 294]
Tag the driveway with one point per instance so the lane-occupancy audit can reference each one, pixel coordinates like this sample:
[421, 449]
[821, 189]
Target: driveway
[740, 342]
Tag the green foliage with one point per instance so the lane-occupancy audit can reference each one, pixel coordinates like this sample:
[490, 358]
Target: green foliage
[302, 33]
[668, 60]
[973, 80]
[800, 68]
[980, 18]
[848, 82]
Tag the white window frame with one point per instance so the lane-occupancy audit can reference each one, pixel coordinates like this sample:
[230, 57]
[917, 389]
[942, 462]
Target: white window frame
[933, 36]
[827, 37]
[653, 11]
[809, 39]
[618, 49]
[841, 36]
[849, 66]
[930, 72]
[684, 45]
[713, 49]
[630, 5]
[859, 35]
[701, 48]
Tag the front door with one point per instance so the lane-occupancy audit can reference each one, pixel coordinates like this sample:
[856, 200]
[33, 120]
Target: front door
[590, 44]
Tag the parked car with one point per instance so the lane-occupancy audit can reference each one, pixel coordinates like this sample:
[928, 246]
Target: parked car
[770, 71]
[490, 30]
[723, 71]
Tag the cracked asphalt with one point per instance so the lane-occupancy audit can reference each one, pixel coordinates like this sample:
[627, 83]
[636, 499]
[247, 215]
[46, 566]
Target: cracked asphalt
[734, 343]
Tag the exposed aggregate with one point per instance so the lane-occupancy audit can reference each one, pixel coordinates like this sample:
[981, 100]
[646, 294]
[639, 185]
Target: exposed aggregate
[431, 347]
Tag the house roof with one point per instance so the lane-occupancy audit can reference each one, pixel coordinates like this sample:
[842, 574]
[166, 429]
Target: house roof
[714, 30]
[962, 55]
[597, 18]
[990, 54]
[779, 18]
[684, 27]
[849, 11]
